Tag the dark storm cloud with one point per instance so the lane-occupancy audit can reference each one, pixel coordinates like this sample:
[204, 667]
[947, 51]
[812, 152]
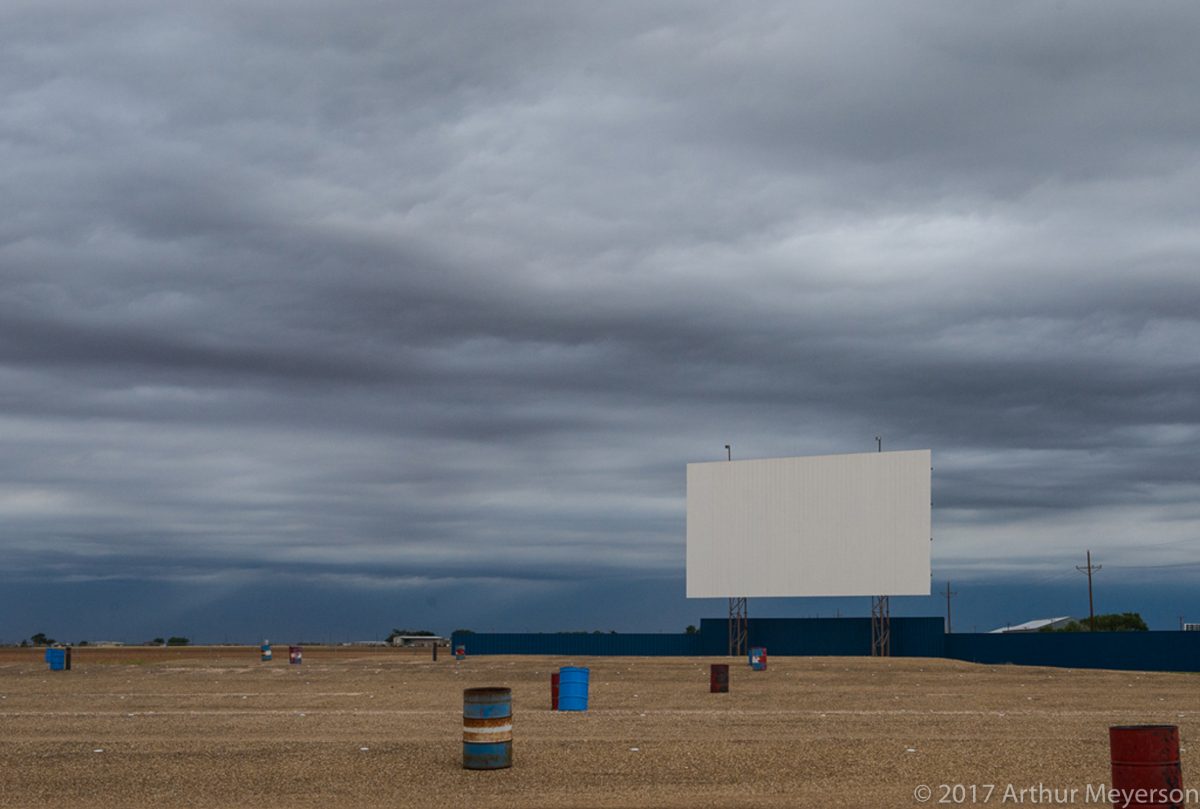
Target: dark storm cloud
[452, 292]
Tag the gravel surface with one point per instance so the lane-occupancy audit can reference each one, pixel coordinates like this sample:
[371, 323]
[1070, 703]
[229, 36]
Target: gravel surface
[213, 727]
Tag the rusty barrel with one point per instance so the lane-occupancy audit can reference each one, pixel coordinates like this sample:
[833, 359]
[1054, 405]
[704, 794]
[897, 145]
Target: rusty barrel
[1145, 766]
[487, 728]
[554, 690]
[295, 655]
[718, 678]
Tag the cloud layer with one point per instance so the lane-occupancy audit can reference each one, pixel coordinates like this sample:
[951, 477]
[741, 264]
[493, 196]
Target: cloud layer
[441, 294]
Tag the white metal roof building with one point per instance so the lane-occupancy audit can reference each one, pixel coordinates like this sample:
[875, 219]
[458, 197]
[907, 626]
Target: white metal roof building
[1036, 625]
[419, 640]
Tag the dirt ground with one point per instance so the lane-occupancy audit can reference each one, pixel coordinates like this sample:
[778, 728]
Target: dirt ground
[214, 727]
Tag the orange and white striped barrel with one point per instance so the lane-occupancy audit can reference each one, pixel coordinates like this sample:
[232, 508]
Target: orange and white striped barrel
[487, 728]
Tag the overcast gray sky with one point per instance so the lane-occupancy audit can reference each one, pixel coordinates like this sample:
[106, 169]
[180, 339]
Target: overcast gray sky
[427, 305]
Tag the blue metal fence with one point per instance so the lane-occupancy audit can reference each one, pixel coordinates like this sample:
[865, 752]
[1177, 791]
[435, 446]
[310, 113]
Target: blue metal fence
[1138, 651]
[911, 637]
[602, 645]
[921, 637]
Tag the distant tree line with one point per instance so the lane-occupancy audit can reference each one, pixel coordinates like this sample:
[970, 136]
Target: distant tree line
[398, 633]
[42, 639]
[1112, 622]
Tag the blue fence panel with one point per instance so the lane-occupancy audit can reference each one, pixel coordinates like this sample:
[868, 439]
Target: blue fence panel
[1137, 651]
[812, 636]
[911, 637]
[638, 644]
[714, 637]
[918, 637]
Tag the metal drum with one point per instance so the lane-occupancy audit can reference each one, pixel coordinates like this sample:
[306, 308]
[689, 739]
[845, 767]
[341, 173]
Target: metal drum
[57, 658]
[487, 728]
[1146, 758]
[265, 651]
[573, 688]
[758, 658]
[460, 652]
[718, 678]
[554, 690]
[295, 655]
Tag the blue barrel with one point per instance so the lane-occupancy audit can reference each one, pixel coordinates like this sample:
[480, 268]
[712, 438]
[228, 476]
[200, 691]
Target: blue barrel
[573, 688]
[265, 651]
[487, 728]
[758, 658]
[57, 658]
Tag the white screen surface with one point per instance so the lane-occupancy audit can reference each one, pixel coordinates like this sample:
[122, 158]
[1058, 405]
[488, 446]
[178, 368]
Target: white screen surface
[831, 525]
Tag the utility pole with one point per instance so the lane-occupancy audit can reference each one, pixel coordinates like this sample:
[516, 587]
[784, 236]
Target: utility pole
[948, 593]
[1089, 569]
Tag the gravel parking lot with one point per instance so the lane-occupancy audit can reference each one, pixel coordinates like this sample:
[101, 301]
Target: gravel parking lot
[360, 727]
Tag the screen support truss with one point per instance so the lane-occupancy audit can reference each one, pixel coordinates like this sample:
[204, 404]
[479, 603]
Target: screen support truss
[881, 627]
[737, 627]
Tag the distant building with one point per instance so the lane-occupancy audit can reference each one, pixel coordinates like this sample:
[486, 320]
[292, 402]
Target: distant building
[419, 640]
[365, 643]
[1191, 627]
[1036, 625]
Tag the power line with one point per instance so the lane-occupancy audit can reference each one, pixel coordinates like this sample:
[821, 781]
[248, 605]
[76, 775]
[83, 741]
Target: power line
[1044, 577]
[1169, 543]
[1155, 567]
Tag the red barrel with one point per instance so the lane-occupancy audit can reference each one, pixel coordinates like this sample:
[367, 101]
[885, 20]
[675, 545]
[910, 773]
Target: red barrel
[554, 690]
[718, 678]
[1145, 766]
